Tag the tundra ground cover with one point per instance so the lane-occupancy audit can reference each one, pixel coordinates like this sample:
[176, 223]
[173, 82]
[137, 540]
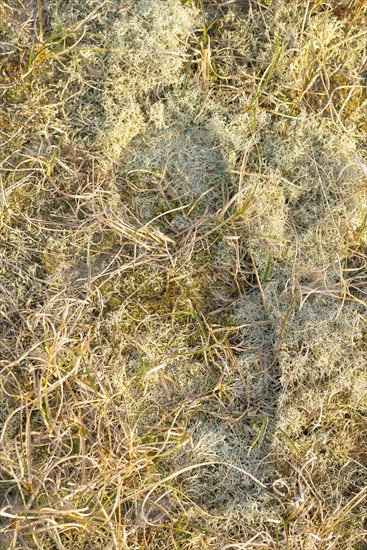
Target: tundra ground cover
[183, 274]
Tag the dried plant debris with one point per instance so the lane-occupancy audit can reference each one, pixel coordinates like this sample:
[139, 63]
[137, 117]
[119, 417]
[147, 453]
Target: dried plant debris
[183, 267]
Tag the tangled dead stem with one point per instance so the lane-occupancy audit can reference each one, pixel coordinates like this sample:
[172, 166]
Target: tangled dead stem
[183, 274]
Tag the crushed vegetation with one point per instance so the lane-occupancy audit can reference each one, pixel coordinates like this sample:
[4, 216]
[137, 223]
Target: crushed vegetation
[183, 262]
